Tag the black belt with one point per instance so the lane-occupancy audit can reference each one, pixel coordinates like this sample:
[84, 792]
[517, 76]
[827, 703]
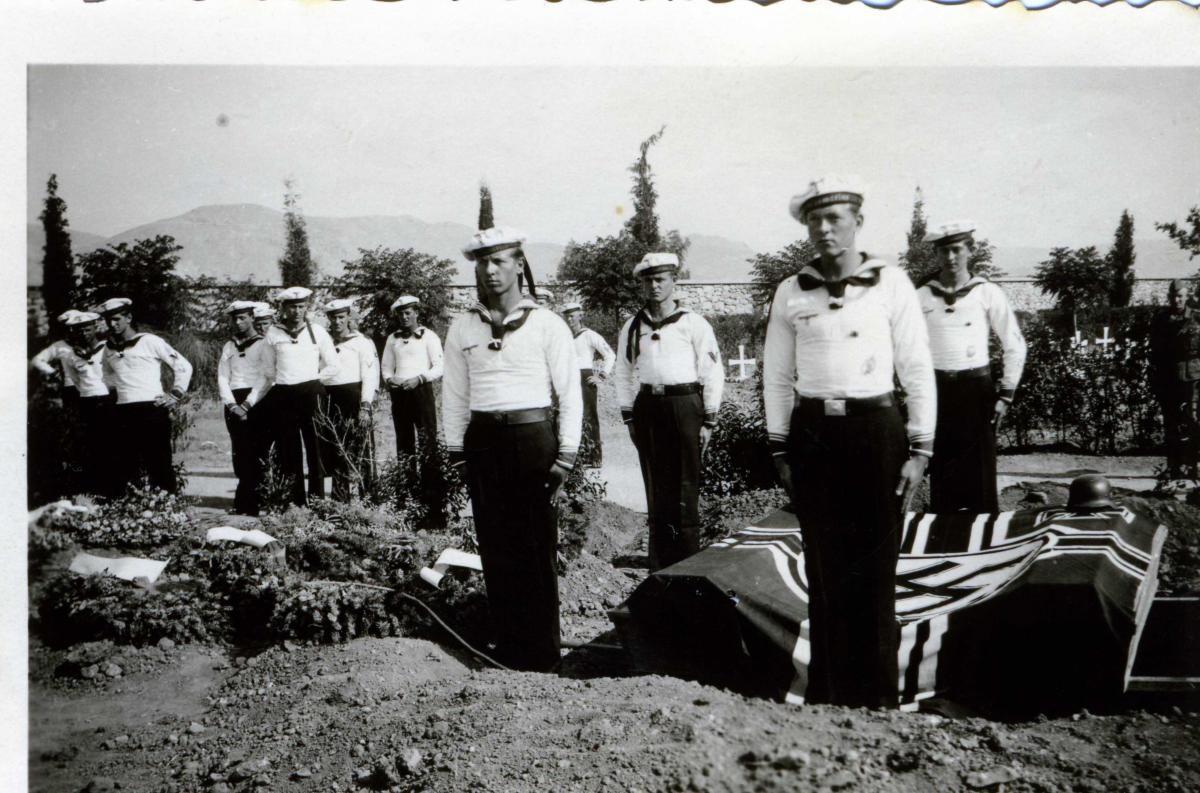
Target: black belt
[851, 406]
[680, 389]
[963, 374]
[511, 417]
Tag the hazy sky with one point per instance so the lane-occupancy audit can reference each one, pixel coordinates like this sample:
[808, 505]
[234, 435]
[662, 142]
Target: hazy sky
[1038, 157]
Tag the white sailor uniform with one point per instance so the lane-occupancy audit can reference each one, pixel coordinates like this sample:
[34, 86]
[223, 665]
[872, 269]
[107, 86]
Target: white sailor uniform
[496, 411]
[963, 470]
[352, 388]
[590, 346]
[408, 354]
[830, 355]
[133, 370]
[297, 363]
[669, 380]
[242, 379]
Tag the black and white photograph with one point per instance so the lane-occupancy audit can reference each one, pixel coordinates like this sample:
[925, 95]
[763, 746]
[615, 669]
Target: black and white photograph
[580, 421]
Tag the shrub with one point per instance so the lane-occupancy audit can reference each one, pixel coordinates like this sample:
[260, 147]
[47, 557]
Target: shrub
[728, 514]
[583, 491]
[738, 459]
[424, 486]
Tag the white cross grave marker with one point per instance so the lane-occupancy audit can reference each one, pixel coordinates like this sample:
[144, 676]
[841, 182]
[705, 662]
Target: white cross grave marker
[742, 362]
[1107, 340]
[1078, 341]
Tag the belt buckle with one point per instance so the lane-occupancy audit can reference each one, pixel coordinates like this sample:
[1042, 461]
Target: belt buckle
[835, 407]
[658, 389]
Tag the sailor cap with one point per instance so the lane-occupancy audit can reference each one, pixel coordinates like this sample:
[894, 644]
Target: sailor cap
[826, 191]
[65, 317]
[653, 262]
[114, 304]
[338, 306]
[544, 294]
[240, 307]
[82, 318]
[263, 310]
[404, 301]
[954, 231]
[569, 307]
[295, 294]
[487, 241]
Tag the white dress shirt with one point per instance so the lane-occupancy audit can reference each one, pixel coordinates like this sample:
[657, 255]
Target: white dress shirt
[357, 363]
[815, 350]
[590, 345]
[533, 358]
[243, 368]
[85, 372]
[958, 332]
[684, 352]
[301, 358]
[134, 369]
[419, 355]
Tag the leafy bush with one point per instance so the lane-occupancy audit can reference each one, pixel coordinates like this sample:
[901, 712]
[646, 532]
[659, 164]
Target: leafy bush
[328, 614]
[424, 486]
[737, 459]
[583, 491]
[729, 514]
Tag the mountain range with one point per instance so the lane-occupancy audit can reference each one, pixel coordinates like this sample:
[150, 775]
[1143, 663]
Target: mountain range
[244, 241]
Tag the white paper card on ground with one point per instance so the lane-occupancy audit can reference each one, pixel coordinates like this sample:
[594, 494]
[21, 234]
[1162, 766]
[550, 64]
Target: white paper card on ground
[126, 568]
[451, 557]
[254, 537]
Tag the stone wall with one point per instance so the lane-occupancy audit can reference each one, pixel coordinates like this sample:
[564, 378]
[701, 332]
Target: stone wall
[717, 298]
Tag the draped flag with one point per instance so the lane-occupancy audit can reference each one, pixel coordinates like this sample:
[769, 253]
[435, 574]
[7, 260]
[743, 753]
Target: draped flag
[1010, 613]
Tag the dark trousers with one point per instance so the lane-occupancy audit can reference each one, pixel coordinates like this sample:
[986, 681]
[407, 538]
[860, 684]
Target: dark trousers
[294, 434]
[343, 439]
[1180, 427]
[142, 445]
[667, 432]
[94, 417]
[245, 437]
[517, 528]
[414, 415]
[591, 421]
[844, 475]
[962, 473]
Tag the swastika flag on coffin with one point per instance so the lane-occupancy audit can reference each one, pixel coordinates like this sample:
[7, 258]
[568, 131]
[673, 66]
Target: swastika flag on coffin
[1027, 611]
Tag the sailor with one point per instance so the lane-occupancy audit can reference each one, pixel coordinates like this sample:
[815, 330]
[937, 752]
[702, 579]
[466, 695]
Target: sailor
[49, 362]
[589, 345]
[504, 358]
[241, 383]
[299, 356]
[412, 362]
[961, 310]
[132, 365]
[837, 334]
[346, 419]
[264, 317]
[543, 296]
[81, 358]
[669, 381]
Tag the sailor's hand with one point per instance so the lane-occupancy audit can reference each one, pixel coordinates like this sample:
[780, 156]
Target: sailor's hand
[410, 383]
[166, 401]
[998, 415]
[705, 436]
[555, 479]
[783, 470]
[911, 474]
[595, 380]
[364, 414]
[239, 412]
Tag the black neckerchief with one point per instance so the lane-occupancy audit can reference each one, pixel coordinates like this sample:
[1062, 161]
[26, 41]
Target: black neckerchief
[866, 275]
[949, 295]
[409, 334]
[245, 344]
[86, 354]
[121, 345]
[523, 310]
[337, 345]
[633, 343]
[580, 333]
